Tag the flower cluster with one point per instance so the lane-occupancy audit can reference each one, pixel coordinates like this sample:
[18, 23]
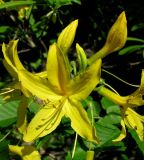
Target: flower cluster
[62, 90]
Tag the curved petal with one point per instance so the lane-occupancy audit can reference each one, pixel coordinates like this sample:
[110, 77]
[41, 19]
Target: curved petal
[133, 120]
[122, 134]
[11, 55]
[37, 86]
[83, 84]
[57, 72]
[79, 120]
[8, 59]
[44, 122]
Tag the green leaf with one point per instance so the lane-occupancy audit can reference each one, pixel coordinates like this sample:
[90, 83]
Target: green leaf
[93, 109]
[137, 26]
[4, 149]
[135, 39]
[16, 3]
[4, 29]
[136, 138]
[130, 49]
[33, 106]
[59, 3]
[8, 113]
[68, 157]
[80, 154]
[106, 127]
[112, 119]
[106, 103]
[76, 1]
[106, 132]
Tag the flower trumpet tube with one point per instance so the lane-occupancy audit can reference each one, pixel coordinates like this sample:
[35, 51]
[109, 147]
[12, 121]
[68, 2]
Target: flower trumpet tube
[129, 117]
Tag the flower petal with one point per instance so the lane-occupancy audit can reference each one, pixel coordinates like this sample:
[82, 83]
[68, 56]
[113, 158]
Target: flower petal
[133, 120]
[82, 57]
[8, 58]
[57, 72]
[136, 98]
[66, 37]
[37, 86]
[26, 152]
[79, 120]
[22, 115]
[83, 84]
[44, 122]
[122, 134]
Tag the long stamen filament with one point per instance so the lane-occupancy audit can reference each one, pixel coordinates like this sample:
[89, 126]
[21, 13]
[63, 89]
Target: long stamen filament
[133, 85]
[74, 148]
[7, 92]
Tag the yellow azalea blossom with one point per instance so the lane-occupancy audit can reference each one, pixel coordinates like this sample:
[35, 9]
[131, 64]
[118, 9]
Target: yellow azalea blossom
[62, 95]
[129, 117]
[25, 152]
[116, 38]
[60, 91]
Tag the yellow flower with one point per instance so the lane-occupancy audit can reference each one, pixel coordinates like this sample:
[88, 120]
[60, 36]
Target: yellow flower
[62, 95]
[129, 117]
[25, 152]
[116, 38]
[57, 87]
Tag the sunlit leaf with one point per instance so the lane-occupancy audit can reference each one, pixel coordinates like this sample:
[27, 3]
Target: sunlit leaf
[8, 113]
[106, 131]
[136, 138]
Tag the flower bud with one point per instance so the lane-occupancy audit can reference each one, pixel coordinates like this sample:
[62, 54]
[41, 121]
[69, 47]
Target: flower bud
[66, 37]
[116, 38]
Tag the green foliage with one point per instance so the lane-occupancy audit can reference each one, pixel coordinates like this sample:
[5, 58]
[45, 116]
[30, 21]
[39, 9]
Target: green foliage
[132, 48]
[138, 141]
[4, 149]
[8, 113]
[16, 3]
